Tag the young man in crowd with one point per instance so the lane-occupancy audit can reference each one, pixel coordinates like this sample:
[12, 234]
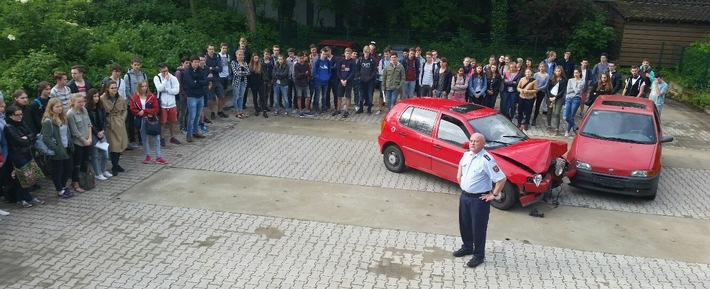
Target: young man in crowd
[291, 60]
[382, 64]
[367, 72]
[334, 82]
[411, 74]
[426, 76]
[635, 84]
[60, 90]
[659, 88]
[346, 73]
[182, 99]
[78, 84]
[599, 68]
[213, 63]
[168, 87]
[115, 75]
[321, 75]
[195, 82]
[567, 63]
[301, 74]
[615, 78]
[646, 72]
[207, 94]
[267, 67]
[392, 79]
[131, 79]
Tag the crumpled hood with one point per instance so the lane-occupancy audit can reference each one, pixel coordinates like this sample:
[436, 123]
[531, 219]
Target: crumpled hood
[536, 154]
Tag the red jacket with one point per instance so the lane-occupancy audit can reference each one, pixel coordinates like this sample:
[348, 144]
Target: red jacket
[151, 105]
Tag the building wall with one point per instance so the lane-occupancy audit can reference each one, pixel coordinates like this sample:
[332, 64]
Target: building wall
[660, 43]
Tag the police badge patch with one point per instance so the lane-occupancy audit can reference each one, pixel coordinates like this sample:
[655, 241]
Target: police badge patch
[496, 169]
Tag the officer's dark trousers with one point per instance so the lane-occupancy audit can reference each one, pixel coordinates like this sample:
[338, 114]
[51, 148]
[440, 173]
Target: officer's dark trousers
[473, 223]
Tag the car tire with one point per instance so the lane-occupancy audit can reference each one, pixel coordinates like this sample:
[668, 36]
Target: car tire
[508, 199]
[393, 158]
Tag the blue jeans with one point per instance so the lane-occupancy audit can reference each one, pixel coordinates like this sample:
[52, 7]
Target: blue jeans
[365, 96]
[507, 103]
[99, 158]
[408, 89]
[571, 105]
[320, 97]
[392, 97]
[280, 94]
[155, 140]
[238, 91]
[194, 107]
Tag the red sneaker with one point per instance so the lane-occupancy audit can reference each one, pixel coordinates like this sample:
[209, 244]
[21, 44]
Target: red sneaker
[147, 160]
[161, 161]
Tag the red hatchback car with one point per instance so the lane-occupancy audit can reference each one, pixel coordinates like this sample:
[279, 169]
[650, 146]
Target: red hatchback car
[431, 135]
[618, 147]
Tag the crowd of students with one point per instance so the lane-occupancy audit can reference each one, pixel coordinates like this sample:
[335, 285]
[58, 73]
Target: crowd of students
[75, 120]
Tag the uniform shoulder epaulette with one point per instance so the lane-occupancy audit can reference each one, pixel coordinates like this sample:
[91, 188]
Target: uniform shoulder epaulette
[488, 158]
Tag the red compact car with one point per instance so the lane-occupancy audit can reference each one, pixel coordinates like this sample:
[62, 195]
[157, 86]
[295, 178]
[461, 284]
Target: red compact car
[618, 147]
[431, 135]
[338, 47]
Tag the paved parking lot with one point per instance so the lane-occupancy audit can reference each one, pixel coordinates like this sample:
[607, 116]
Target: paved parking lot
[97, 240]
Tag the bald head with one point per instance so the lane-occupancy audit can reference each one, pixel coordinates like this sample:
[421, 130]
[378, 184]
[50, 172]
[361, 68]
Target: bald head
[477, 142]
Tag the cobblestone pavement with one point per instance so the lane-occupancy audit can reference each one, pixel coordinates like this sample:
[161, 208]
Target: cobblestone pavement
[95, 240]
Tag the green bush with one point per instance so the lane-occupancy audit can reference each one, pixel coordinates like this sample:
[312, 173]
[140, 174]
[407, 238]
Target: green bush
[28, 71]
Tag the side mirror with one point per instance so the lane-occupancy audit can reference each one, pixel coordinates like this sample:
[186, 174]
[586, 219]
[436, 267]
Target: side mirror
[666, 138]
[466, 145]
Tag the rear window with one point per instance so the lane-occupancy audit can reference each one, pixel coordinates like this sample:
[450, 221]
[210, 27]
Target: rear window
[620, 126]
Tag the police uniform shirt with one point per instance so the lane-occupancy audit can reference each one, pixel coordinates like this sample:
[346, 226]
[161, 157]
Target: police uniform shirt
[478, 172]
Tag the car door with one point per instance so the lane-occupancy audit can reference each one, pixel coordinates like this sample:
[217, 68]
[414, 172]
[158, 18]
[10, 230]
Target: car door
[447, 147]
[416, 126]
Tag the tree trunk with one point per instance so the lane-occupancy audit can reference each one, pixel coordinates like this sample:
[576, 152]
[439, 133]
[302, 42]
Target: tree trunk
[250, 12]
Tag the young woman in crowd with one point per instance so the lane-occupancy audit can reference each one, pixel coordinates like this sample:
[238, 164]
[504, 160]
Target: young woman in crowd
[573, 97]
[459, 84]
[557, 87]
[19, 141]
[97, 116]
[542, 79]
[256, 83]
[442, 79]
[527, 89]
[509, 94]
[240, 72]
[144, 105]
[80, 129]
[494, 81]
[116, 110]
[21, 100]
[602, 87]
[56, 135]
[477, 85]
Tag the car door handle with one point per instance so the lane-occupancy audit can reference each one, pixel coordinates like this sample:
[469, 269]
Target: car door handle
[402, 133]
[437, 147]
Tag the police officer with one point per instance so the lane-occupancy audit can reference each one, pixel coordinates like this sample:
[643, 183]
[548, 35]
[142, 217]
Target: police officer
[477, 171]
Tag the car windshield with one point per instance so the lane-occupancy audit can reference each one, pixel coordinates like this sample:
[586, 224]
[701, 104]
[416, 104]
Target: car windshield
[497, 130]
[620, 126]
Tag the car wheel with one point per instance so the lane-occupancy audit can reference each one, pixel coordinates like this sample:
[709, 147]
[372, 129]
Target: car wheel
[394, 160]
[508, 199]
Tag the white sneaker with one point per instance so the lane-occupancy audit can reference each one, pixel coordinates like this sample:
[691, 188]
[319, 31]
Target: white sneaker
[107, 174]
[4, 213]
[566, 134]
[100, 177]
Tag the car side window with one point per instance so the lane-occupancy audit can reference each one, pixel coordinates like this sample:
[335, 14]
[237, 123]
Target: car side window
[404, 118]
[422, 120]
[452, 130]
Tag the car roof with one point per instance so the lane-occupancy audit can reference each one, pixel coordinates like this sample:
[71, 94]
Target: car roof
[468, 110]
[331, 42]
[624, 103]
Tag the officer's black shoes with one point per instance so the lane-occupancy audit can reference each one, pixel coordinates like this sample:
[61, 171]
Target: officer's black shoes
[462, 252]
[475, 262]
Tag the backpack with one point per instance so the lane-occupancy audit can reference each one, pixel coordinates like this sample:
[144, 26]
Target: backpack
[39, 103]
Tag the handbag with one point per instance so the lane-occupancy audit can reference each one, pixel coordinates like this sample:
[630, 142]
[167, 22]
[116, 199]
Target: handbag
[152, 125]
[87, 180]
[29, 174]
[42, 147]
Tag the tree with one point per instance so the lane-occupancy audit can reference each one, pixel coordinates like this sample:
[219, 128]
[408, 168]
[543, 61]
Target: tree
[250, 12]
[499, 22]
